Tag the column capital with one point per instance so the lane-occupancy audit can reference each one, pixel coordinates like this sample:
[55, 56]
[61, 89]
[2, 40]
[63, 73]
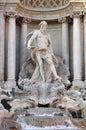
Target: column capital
[23, 20]
[26, 20]
[65, 20]
[77, 14]
[62, 20]
[10, 14]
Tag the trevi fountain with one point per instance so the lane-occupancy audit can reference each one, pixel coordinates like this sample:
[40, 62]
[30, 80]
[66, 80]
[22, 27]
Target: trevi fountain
[44, 95]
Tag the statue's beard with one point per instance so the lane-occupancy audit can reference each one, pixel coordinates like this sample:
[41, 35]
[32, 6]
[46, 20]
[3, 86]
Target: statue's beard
[43, 30]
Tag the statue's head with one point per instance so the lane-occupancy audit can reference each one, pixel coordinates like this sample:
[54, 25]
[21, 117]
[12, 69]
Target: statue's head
[43, 23]
[43, 26]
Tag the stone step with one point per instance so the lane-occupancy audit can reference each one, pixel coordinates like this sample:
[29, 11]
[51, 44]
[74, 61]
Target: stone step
[45, 117]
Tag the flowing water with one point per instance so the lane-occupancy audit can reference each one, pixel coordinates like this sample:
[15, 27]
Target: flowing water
[25, 126]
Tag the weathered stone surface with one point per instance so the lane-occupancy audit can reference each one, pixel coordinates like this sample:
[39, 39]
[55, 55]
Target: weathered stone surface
[44, 93]
[10, 123]
[19, 105]
[80, 123]
[1, 107]
[8, 120]
[73, 103]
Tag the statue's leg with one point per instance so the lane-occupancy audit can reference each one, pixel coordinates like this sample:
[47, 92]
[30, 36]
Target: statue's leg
[35, 74]
[52, 67]
[40, 62]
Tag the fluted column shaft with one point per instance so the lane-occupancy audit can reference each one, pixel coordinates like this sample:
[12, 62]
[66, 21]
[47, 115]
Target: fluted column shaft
[11, 49]
[85, 43]
[23, 50]
[65, 42]
[76, 48]
[2, 40]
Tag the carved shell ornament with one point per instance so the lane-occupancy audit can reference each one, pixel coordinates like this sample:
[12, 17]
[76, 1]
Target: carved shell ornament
[44, 3]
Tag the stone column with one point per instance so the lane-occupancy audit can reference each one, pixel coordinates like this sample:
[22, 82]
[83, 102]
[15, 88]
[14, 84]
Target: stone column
[65, 41]
[2, 42]
[85, 44]
[23, 49]
[76, 47]
[11, 63]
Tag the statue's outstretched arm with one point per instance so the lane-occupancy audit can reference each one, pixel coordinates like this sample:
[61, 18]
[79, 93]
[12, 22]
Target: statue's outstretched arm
[30, 41]
[28, 37]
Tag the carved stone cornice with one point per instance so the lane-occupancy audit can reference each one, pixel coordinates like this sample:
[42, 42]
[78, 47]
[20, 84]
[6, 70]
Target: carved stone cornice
[48, 13]
[39, 15]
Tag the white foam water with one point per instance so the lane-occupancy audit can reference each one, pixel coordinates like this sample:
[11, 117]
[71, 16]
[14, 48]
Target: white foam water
[29, 127]
[25, 126]
[44, 114]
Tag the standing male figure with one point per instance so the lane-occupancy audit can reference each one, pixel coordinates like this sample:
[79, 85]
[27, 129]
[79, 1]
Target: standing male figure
[41, 51]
